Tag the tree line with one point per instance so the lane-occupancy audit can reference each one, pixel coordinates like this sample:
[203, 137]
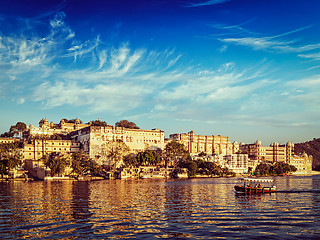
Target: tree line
[277, 168]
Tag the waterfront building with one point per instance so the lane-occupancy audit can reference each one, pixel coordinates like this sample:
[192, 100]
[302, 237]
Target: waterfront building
[93, 138]
[237, 163]
[48, 129]
[214, 144]
[36, 150]
[302, 162]
[274, 153]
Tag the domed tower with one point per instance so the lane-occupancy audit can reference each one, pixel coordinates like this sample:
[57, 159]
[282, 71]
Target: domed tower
[77, 121]
[43, 122]
[258, 143]
[62, 123]
[258, 150]
[235, 147]
[289, 151]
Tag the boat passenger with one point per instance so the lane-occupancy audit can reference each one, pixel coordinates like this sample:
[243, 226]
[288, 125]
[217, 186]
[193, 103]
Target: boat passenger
[259, 186]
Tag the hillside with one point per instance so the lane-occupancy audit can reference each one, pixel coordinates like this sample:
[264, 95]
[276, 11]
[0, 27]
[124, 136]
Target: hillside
[311, 148]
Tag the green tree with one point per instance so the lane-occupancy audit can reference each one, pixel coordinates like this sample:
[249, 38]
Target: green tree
[131, 160]
[210, 168]
[113, 152]
[10, 157]
[148, 157]
[71, 120]
[57, 162]
[7, 134]
[277, 168]
[263, 169]
[281, 167]
[18, 128]
[82, 164]
[126, 124]
[175, 152]
[190, 165]
[99, 123]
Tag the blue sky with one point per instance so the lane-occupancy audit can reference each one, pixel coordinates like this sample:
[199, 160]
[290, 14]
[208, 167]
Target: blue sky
[245, 69]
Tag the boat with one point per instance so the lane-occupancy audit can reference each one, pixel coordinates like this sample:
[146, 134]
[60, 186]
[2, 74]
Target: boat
[253, 186]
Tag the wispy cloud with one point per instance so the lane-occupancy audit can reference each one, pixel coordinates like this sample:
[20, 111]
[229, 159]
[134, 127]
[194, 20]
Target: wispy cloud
[206, 3]
[59, 70]
[273, 43]
[314, 56]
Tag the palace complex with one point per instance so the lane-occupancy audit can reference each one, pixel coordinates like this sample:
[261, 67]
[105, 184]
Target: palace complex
[214, 144]
[75, 136]
[94, 138]
[49, 129]
[276, 153]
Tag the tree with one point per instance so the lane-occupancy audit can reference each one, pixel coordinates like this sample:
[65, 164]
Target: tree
[130, 160]
[190, 165]
[113, 152]
[126, 124]
[148, 157]
[71, 120]
[57, 162]
[10, 157]
[277, 168]
[99, 123]
[263, 169]
[281, 167]
[82, 164]
[7, 134]
[175, 152]
[210, 168]
[18, 128]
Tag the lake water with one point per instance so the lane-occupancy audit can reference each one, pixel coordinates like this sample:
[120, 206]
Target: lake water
[159, 209]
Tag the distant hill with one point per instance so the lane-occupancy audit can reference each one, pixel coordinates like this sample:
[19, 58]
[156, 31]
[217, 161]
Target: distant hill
[311, 148]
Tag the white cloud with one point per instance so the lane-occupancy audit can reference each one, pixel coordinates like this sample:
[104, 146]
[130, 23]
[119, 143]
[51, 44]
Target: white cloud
[259, 43]
[207, 3]
[273, 43]
[58, 71]
[314, 56]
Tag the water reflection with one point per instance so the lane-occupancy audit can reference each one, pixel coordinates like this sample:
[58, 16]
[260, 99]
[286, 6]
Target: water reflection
[152, 209]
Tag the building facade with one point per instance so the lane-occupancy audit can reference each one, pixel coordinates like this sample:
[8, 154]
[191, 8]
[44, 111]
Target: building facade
[237, 163]
[214, 144]
[277, 153]
[47, 129]
[37, 149]
[302, 162]
[273, 153]
[93, 138]
[9, 140]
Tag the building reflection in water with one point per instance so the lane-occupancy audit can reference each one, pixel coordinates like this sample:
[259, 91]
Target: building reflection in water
[183, 208]
[80, 200]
